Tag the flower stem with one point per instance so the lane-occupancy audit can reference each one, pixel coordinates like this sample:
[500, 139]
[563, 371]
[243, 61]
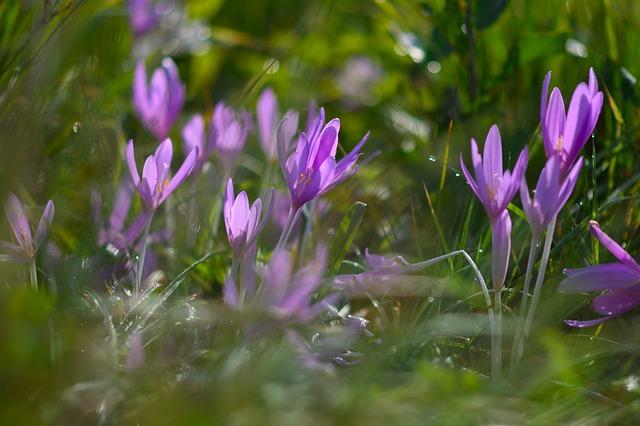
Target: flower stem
[286, 231]
[496, 337]
[143, 253]
[539, 281]
[33, 274]
[535, 238]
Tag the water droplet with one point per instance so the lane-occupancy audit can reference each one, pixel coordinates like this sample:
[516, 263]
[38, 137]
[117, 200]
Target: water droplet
[432, 158]
[76, 127]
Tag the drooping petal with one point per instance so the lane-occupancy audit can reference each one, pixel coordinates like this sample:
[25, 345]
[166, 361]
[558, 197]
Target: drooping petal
[587, 323]
[44, 225]
[19, 222]
[13, 253]
[617, 302]
[613, 247]
[599, 277]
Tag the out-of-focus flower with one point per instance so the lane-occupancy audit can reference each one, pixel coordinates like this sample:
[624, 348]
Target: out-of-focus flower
[620, 281]
[159, 103]
[156, 183]
[495, 188]
[142, 16]
[243, 224]
[229, 131]
[194, 135]
[311, 170]
[268, 117]
[565, 134]
[135, 359]
[27, 248]
[113, 235]
[356, 80]
[550, 195]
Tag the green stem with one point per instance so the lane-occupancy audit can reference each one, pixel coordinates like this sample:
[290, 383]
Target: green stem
[286, 231]
[539, 281]
[143, 253]
[533, 249]
[33, 274]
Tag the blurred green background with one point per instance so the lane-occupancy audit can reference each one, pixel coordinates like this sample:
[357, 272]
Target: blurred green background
[424, 77]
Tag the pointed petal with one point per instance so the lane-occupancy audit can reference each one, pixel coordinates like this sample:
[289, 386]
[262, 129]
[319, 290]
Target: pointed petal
[182, 174]
[593, 82]
[576, 130]
[163, 156]
[19, 222]
[150, 174]
[613, 247]
[543, 97]
[227, 204]
[588, 323]
[605, 276]
[193, 134]
[131, 163]
[492, 158]
[267, 116]
[45, 223]
[554, 123]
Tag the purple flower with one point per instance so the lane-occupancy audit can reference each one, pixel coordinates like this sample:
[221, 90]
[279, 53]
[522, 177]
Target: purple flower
[243, 224]
[142, 16]
[565, 134]
[193, 135]
[620, 281]
[156, 183]
[268, 118]
[311, 170]
[289, 295]
[158, 104]
[231, 130]
[495, 188]
[113, 235]
[550, 195]
[27, 247]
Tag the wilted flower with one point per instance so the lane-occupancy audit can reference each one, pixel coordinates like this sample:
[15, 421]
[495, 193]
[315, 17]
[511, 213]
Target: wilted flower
[194, 135]
[158, 104]
[268, 118]
[620, 281]
[142, 16]
[28, 246]
[156, 183]
[230, 130]
[550, 195]
[243, 224]
[565, 134]
[311, 170]
[495, 188]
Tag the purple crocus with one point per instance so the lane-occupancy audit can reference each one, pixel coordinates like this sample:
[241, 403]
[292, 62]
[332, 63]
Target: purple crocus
[289, 295]
[142, 16]
[159, 103]
[242, 222]
[550, 195]
[268, 118]
[311, 170]
[565, 134]
[619, 280]
[229, 131]
[194, 135]
[27, 248]
[495, 188]
[156, 183]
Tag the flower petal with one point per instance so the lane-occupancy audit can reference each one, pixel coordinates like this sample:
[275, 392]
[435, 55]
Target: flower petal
[19, 222]
[617, 302]
[500, 250]
[131, 163]
[43, 226]
[613, 247]
[605, 276]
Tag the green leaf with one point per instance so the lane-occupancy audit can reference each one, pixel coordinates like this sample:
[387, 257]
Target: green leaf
[345, 235]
